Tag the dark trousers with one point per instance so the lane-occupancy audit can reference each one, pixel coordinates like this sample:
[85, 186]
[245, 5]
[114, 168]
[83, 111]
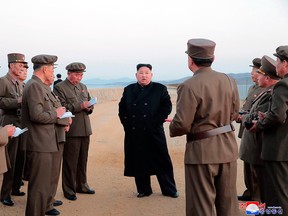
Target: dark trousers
[275, 183]
[252, 179]
[8, 177]
[56, 167]
[74, 166]
[19, 168]
[39, 186]
[166, 182]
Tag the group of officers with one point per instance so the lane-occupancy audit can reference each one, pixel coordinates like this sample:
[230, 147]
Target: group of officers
[207, 104]
[36, 154]
[263, 133]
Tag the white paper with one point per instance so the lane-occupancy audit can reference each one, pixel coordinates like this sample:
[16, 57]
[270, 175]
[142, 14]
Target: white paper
[19, 131]
[67, 115]
[93, 101]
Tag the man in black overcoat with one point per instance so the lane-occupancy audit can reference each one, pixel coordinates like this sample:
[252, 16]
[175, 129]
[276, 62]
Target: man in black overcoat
[143, 109]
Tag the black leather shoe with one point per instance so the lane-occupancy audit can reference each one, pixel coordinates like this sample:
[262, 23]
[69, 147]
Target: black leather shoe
[57, 203]
[89, 191]
[140, 195]
[7, 202]
[174, 195]
[72, 197]
[244, 198]
[18, 193]
[52, 212]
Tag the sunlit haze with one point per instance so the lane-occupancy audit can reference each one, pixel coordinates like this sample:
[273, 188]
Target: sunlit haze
[112, 36]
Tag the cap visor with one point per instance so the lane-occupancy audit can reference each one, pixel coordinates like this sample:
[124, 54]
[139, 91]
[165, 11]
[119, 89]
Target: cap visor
[275, 54]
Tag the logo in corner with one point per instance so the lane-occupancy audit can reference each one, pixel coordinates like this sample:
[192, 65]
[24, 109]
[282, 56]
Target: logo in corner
[252, 208]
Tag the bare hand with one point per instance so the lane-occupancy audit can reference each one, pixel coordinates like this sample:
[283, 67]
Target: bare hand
[10, 130]
[89, 108]
[60, 111]
[261, 115]
[85, 105]
[254, 127]
[239, 119]
[67, 128]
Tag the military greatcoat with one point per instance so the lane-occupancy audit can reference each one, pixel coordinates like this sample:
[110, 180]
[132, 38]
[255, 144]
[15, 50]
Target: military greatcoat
[142, 111]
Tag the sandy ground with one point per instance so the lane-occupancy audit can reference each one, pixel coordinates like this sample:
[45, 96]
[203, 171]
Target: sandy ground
[116, 194]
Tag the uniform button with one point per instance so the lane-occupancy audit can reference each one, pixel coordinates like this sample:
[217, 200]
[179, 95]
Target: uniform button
[133, 116]
[144, 116]
[145, 104]
[134, 104]
[133, 128]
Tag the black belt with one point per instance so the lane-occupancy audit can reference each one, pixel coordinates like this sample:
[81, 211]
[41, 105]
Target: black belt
[205, 134]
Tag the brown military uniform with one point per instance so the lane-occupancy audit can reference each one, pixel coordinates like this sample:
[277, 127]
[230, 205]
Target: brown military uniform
[275, 137]
[253, 92]
[250, 149]
[274, 148]
[3, 142]
[75, 155]
[207, 103]
[206, 110]
[250, 183]
[251, 143]
[9, 94]
[40, 117]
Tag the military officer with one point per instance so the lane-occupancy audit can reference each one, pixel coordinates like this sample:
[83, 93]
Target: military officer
[207, 103]
[250, 148]
[40, 116]
[20, 158]
[253, 92]
[75, 97]
[274, 152]
[5, 132]
[10, 103]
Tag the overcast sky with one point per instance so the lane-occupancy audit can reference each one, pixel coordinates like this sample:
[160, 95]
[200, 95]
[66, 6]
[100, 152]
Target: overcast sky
[112, 36]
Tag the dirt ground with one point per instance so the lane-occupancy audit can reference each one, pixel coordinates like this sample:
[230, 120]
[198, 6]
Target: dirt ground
[116, 194]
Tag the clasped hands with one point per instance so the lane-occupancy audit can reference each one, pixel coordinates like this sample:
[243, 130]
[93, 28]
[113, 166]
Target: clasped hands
[261, 116]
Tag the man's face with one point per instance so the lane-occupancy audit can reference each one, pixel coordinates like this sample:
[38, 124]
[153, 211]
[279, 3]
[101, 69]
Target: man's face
[144, 76]
[23, 75]
[262, 80]
[281, 68]
[75, 78]
[254, 75]
[49, 74]
[17, 68]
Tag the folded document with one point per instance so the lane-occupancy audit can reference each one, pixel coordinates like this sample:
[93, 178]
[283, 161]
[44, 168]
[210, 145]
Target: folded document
[93, 101]
[19, 131]
[67, 115]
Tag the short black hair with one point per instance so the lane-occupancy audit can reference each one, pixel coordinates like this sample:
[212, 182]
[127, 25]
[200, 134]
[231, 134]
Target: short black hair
[58, 75]
[203, 62]
[144, 65]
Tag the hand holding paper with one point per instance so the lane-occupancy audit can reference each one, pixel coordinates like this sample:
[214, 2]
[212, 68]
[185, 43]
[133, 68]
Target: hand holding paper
[93, 101]
[67, 115]
[19, 131]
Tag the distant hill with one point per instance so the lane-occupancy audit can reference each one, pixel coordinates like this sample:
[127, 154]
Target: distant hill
[241, 79]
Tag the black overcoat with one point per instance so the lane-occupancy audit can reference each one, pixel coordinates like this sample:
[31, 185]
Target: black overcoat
[142, 112]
